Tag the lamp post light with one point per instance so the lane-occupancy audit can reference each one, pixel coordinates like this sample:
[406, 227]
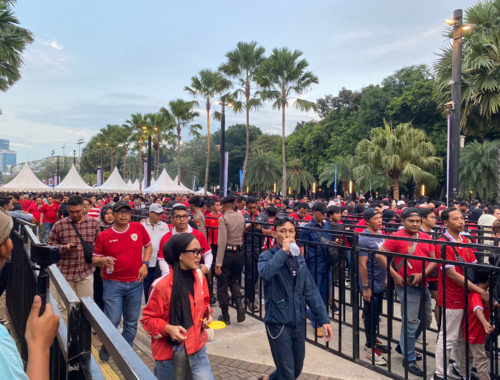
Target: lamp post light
[223, 146]
[80, 142]
[102, 160]
[74, 157]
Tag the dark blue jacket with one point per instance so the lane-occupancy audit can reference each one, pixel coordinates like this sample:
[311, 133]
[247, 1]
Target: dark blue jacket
[286, 305]
[316, 254]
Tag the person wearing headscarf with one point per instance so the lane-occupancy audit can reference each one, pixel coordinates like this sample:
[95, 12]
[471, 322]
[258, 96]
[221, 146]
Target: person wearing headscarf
[178, 312]
[106, 220]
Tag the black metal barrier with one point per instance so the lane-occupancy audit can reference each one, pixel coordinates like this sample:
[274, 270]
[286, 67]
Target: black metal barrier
[343, 290]
[71, 352]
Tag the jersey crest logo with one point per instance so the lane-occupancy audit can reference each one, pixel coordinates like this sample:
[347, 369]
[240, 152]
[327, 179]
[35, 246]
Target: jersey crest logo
[134, 237]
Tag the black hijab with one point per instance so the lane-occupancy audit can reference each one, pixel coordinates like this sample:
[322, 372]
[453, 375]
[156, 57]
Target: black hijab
[475, 214]
[180, 305]
[102, 222]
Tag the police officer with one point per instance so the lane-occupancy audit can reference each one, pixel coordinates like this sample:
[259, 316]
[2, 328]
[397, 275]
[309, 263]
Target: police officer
[229, 259]
[195, 204]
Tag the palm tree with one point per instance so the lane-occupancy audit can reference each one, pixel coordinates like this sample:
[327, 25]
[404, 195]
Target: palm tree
[124, 141]
[208, 85]
[298, 178]
[183, 114]
[263, 170]
[162, 125]
[397, 152]
[188, 169]
[478, 164]
[138, 124]
[345, 171]
[242, 64]
[281, 76]
[12, 43]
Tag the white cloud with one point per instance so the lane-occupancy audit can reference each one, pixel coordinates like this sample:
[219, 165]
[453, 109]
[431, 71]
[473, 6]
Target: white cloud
[21, 145]
[54, 45]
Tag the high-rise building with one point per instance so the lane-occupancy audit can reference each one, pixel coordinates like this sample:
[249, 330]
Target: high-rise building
[4, 144]
[7, 158]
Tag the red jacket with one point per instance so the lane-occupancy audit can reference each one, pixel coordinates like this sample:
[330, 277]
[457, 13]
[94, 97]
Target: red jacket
[157, 312]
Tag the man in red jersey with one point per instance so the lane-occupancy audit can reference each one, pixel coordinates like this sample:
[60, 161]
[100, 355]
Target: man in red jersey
[119, 250]
[26, 203]
[212, 216]
[455, 290]
[49, 215]
[35, 209]
[302, 214]
[417, 292]
[180, 219]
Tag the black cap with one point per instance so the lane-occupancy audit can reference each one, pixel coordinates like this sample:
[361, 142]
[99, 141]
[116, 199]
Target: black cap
[121, 204]
[194, 199]
[229, 198]
[410, 211]
[319, 206]
[370, 213]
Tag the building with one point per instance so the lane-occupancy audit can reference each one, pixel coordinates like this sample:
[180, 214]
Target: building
[7, 158]
[4, 144]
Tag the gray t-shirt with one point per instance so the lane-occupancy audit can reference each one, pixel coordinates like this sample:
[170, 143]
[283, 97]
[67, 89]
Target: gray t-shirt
[368, 240]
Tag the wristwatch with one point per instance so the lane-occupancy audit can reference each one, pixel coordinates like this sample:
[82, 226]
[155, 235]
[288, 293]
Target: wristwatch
[366, 287]
[146, 262]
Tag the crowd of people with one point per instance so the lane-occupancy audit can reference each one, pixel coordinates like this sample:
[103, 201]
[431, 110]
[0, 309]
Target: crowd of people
[185, 254]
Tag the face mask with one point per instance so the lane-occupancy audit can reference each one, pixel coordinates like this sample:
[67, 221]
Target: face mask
[294, 249]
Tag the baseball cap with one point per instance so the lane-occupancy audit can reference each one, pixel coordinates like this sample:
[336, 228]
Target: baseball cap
[370, 213]
[409, 212]
[229, 198]
[400, 203]
[156, 208]
[121, 204]
[319, 206]
[179, 206]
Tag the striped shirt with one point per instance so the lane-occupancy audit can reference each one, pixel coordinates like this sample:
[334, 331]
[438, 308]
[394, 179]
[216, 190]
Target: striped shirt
[94, 212]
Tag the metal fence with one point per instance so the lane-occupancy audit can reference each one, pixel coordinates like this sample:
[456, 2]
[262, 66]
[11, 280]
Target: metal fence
[71, 352]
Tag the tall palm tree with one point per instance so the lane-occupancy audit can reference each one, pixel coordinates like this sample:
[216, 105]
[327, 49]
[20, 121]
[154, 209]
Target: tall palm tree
[298, 177]
[478, 164]
[183, 114]
[124, 141]
[345, 171]
[162, 126]
[397, 152]
[138, 124]
[263, 171]
[208, 85]
[242, 64]
[281, 76]
[12, 44]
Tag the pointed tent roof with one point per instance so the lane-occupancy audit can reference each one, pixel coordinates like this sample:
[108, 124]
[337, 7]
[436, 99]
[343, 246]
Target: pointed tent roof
[202, 192]
[129, 183]
[164, 184]
[25, 180]
[73, 182]
[176, 181]
[153, 180]
[115, 183]
[135, 185]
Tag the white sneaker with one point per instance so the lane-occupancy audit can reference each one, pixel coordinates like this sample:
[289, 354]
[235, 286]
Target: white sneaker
[379, 359]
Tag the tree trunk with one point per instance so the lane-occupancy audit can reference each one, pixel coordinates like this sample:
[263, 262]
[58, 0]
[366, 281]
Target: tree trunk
[112, 161]
[283, 146]
[247, 152]
[395, 189]
[498, 179]
[124, 160]
[140, 164]
[208, 146]
[178, 154]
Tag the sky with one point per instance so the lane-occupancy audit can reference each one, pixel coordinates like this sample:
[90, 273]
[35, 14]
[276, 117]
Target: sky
[96, 62]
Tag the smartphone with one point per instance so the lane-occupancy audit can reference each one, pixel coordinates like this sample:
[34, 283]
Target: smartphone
[411, 279]
[73, 246]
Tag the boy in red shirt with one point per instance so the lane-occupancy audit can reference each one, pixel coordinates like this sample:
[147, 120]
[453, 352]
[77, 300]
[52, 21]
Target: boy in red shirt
[478, 314]
[49, 215]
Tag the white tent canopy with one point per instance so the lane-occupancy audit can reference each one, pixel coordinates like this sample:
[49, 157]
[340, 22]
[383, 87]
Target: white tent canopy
[73, 182]
[176, 180]
[25, 180]
[116, 184]
[202, 192]
[129, 183]
[135, 185]
[164, 184]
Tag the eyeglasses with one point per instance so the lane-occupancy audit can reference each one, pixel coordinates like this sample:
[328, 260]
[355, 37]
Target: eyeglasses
[179, 217]
[123, 212]
[196, 252]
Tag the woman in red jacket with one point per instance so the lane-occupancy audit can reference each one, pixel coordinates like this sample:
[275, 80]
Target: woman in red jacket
[178, 312]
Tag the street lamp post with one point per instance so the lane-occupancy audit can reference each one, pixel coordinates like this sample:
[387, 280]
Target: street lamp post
[80, 142]
[102, 161]
[148, 174]
[222, 146]
[74, 157]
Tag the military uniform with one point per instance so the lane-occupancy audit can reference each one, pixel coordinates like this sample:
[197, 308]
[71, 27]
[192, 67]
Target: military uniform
[199, 219]
[230, 259]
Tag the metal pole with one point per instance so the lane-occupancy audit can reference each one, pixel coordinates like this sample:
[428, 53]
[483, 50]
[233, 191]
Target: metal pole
[102, 164]
[222, 147]
[148, 175]
[456, 97]
[74, 157]
[57, 174]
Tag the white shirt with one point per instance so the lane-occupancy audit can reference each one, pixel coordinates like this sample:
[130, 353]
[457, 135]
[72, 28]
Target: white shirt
[155, 232]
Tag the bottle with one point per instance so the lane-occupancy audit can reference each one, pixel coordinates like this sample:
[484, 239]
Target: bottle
[109, 270]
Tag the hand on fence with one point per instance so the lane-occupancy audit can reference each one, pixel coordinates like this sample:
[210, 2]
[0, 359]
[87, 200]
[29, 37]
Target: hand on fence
[488, 328]
[41, 330]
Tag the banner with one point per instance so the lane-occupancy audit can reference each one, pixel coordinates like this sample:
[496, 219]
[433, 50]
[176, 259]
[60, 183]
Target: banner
[51, 182]
[194, 181]
[241, 181]
[335, 183]
[99, 183]
[226, 164]
[145, 175]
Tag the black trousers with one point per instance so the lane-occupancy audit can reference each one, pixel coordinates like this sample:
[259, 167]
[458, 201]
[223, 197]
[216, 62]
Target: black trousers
[371, 315]
[211, 273]
[5, 277]
[288, 347]
[98, 288]
[251, 273]
[231, 273]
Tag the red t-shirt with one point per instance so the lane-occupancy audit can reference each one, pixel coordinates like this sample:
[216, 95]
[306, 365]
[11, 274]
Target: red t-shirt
[35, 211]
[126, 247]
[477, 335]
[403, 247]
[212, 221]
[25, 204]
[361, 223]
[197, 234]
[455, 294]
[50, 213]
[271, 242]
[296, 216]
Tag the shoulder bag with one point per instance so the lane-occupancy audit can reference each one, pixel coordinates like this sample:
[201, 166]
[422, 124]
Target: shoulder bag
[88, 249]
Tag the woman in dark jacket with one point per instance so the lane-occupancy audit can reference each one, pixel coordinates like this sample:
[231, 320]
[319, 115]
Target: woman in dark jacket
[106, 220]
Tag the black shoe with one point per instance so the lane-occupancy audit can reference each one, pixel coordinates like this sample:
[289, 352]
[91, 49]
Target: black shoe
[413, 368]
[213, 300]
[240, 310]
[335, 310]
[436, 377]
[103, 354]
[456, 375]
[398, 350]
[225, 319]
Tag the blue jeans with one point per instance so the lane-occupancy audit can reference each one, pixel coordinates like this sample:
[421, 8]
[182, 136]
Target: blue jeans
[288, 350]
[198, 362]
[123, 298]
[324, 283]
[48, 227]
[416, 318]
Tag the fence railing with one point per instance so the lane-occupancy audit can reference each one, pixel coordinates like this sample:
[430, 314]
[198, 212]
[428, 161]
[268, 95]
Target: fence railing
[71, 356]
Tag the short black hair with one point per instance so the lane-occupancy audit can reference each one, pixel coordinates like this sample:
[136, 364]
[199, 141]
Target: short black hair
[303, 205]
[282, 221]
[251, 200]
[492, 209]
[178, 207]
[445, 215]
[5, 200]
[272, 211]
[241, 198]
[333, 210]
[75, 200]
[425, 212]
[411, 203]
[482, 275]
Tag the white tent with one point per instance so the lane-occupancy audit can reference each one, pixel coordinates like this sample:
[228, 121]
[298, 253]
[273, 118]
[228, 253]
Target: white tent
[135, 185]
[153, 180]
[116, 184]
[202, 192]
[73, 182]
[164, 184]
[176, 180]
[129, 183]
[25, 180]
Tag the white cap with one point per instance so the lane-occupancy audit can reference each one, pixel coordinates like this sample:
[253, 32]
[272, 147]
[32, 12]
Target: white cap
[156, 208]
[400, 203]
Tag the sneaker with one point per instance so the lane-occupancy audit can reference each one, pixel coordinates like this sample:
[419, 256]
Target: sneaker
[224, 319]
[335, 309]
[379, 359]
[319, 332]
[213, 300]
[436, 377]
[400, 352]
[413, 368]
[382, 347]
[456, 375]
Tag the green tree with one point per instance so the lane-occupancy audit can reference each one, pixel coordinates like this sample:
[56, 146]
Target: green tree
[478, 165]
[183, 114]
[124, 141]
[267, 143]
[345, 172]
[138, 124]
[208, 85]
[263, 171]
[298, 177]
[281, 76]
[397, 152]
[242, 65]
